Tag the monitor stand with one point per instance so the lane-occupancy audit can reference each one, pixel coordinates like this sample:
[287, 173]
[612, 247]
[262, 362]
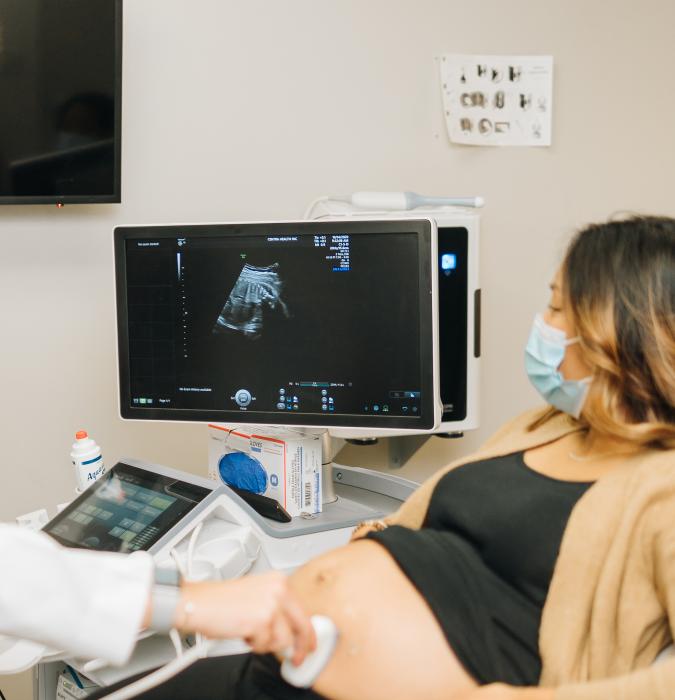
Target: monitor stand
[349, 494]
[330, 446]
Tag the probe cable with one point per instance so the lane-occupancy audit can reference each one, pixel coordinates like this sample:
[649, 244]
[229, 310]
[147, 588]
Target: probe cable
[161, 675]
[183, 658]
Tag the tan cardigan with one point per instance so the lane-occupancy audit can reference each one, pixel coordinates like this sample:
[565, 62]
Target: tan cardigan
[612, 594]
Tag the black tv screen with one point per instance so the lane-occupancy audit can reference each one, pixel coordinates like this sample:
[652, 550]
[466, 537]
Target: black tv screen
[60, 80]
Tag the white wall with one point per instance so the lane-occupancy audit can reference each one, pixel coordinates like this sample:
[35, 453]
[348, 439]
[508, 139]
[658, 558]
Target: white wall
[248, 110]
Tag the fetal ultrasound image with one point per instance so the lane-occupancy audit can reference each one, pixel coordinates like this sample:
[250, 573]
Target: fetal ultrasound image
[256, 292]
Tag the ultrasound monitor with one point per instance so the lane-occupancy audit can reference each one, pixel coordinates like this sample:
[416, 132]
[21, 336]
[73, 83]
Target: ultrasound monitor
[457, 273]
[308, 323]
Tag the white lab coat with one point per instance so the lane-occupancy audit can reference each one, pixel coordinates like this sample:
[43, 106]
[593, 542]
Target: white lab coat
[88, 604]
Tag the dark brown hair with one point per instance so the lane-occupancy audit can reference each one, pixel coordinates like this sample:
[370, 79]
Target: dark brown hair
[618, 284]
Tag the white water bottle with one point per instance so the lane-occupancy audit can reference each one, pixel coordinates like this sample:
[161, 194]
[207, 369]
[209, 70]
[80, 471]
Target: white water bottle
[87, 460]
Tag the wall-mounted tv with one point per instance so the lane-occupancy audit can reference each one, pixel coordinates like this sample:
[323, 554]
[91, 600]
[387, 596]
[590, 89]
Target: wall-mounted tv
[60, 110]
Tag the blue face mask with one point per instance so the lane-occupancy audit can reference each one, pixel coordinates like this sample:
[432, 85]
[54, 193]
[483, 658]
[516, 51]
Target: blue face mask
[544, 352]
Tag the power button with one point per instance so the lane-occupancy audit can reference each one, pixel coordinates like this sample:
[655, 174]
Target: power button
[243, 397]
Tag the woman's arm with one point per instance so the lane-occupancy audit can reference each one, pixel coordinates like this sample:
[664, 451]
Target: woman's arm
[656, 682]
[500, 691]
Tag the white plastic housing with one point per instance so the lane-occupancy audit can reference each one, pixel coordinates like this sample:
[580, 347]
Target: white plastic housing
[444, 217]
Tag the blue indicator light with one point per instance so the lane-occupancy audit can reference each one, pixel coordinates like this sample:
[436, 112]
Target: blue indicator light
[448, 261]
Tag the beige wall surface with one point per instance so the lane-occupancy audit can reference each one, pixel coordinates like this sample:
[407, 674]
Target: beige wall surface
[249, 110]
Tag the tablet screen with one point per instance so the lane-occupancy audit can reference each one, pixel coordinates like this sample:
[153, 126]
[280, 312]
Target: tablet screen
[126, 510]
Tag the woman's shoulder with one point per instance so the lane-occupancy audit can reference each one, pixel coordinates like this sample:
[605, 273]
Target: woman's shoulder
[655, 474]
[644, 485]
[652, 488]
[650, 470]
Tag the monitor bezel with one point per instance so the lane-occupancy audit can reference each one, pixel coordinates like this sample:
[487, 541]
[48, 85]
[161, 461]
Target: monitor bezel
[114, 197]
[423, 228]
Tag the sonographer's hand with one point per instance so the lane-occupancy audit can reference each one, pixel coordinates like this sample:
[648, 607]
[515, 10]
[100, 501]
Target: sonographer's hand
[261, 609]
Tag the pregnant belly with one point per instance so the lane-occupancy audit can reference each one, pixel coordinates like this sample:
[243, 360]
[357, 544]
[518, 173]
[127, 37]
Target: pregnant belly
[390, 644]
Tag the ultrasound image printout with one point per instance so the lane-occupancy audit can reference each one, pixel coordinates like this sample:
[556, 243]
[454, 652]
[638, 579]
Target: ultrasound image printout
[256, 289]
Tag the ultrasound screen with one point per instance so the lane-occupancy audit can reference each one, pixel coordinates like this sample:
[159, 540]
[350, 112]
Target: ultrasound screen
[279, 323]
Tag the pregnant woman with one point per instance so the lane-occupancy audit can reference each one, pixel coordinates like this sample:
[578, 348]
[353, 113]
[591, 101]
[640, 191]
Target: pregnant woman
[542, 566]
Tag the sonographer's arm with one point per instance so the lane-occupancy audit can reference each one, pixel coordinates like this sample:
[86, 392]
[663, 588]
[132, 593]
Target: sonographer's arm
[262, 609]
[89, 604]
[93, 604]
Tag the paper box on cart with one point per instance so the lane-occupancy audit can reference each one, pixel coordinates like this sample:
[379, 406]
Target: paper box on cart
[67, 689]
[281, 463]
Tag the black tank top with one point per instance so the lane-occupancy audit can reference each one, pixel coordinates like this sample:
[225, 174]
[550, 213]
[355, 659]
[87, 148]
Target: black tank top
[484, 558]
[512, 515]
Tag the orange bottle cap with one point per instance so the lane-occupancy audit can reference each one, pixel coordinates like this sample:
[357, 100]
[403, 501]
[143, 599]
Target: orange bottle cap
[81, 434]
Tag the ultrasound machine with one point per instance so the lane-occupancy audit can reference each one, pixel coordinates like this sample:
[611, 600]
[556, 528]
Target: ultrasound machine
[220, 323]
